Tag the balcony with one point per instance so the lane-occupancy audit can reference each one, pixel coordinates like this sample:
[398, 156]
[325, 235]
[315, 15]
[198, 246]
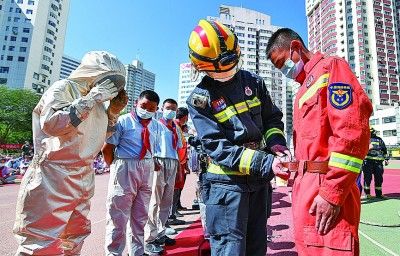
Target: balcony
[384, 96]
[390, 47]
[390, 40]
[389, 24]
[383, 87]
[385, 9]
[394, 97]
[393, 80]
[394, 88]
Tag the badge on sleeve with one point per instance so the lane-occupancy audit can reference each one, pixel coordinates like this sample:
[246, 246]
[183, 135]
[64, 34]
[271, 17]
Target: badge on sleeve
[340, 95]
[199, 100]
[219, 104]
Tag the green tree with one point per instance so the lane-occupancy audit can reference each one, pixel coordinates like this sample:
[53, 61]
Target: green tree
[16, 107]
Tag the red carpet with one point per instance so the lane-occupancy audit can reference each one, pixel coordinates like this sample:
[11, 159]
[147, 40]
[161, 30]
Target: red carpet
[188, 242]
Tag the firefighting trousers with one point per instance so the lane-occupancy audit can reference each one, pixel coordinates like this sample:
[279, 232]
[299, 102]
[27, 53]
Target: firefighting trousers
[236, 216]
[52, 208]
[128, 198]
[161, 199]
[342, 239]
[373, 168]
[203, 192]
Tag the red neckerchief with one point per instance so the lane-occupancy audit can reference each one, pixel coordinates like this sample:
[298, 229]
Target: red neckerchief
[172, 128]
[145, 135]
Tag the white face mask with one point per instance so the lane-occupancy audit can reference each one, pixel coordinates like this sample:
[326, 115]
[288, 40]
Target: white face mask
[169, 114]
[143, 113]
[290, 69]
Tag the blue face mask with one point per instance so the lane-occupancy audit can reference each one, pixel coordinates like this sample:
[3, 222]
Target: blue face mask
[169, 114]
[290, 69]
[143, 113]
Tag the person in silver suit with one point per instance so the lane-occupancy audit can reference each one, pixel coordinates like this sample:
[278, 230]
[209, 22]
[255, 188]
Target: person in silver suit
[70, 125]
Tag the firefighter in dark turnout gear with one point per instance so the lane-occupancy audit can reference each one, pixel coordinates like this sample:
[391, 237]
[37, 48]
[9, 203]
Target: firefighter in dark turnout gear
[235, 119]
[373, 165]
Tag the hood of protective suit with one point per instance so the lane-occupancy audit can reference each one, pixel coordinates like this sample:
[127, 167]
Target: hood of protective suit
[95, 67]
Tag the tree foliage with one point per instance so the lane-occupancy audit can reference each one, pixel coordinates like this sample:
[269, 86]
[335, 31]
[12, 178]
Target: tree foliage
[16, 107]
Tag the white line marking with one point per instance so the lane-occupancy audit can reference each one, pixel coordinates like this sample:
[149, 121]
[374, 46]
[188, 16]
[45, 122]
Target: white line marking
[1, 205]
[7, 221]
[377, 244]
[93, 223]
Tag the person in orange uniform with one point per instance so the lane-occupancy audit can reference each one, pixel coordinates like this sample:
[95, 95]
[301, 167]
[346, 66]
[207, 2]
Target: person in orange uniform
[331, 137]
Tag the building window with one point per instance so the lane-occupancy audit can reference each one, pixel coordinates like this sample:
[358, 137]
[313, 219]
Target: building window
[13, 38]
[47, 58]
[20, 1]
[10, 58]
[31, 2]
[21, 59]
[389, 119]
[11, 9]
[48, 40]
[22, 49]
[26, 30]
[29, 11]
[16, 19]
[45, 67]
[4, 70]
[24, 39]
[18, 10]
[389, 133]
[27, 20]
[52, 23]
[11, 48]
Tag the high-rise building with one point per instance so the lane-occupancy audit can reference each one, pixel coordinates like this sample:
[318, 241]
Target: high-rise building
[68, 64]
[253, 30]
[32, 42]
[186, 85]
[138, 80]
[362, 32]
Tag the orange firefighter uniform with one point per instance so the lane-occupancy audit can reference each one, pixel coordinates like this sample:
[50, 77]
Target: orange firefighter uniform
[331, 116]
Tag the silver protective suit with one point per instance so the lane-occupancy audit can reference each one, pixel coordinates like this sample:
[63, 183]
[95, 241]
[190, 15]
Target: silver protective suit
[69, 130]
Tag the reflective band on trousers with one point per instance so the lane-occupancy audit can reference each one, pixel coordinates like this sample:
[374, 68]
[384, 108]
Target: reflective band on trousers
[217, 169]
[312, 90]
[272, 131]
[238, 108]
[245, 161]
[346, 162]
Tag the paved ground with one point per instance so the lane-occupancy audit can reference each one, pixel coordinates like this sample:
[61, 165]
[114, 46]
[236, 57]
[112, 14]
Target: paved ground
[279, 225]
[94, 244]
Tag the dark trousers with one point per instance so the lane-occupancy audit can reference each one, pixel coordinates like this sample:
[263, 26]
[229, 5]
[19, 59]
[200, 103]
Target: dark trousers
[175, 203]
[373, 168]
[236, 216]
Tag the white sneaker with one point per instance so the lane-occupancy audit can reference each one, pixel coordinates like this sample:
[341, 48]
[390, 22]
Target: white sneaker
[153, 249]
[170, 231]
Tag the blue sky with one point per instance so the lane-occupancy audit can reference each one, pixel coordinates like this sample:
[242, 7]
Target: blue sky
[158, 30]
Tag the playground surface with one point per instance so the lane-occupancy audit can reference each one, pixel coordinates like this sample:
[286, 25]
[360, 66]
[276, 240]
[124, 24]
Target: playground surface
[379, 228]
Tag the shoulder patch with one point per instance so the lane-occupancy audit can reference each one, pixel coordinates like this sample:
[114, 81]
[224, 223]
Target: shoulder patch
[199, 100]
[340, 95]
